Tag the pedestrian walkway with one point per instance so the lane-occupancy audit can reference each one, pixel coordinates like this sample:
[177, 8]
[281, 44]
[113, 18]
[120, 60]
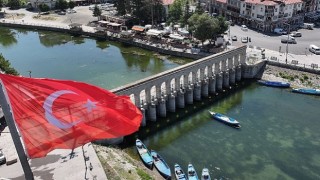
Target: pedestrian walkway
[308, 60]
[60, 164]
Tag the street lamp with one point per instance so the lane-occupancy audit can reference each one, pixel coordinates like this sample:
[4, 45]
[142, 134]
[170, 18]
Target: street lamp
[29, 74]
[287, 48]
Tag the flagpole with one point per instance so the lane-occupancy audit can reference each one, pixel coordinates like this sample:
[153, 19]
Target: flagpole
[14, 133]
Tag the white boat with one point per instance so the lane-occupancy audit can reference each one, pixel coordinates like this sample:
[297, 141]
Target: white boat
[205, 174]
[225, 119]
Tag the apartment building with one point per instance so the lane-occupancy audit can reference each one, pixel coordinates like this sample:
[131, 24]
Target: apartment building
[265, 15]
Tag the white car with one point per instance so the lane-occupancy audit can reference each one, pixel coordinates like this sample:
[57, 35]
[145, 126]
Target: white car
[244, 39]
[244, 28]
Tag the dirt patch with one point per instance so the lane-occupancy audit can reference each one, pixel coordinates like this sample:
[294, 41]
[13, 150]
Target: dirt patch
[297, 79]
[44, 17]
[118, 165]
[14, 16]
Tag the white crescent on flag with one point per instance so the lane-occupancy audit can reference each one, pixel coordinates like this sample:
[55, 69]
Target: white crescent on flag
[47, 105]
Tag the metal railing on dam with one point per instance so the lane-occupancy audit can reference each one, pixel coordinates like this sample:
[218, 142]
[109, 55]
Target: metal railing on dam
[175, 88]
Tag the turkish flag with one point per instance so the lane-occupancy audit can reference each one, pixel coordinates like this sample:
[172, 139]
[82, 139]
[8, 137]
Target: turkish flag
[59, 114]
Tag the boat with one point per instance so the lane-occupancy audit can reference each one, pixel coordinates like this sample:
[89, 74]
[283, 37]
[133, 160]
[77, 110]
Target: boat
[192, 174]
[306, 91]
[161, 165]
[225, 119]
[180, 175]
[144, 154]
[205, 174]
[274, 83]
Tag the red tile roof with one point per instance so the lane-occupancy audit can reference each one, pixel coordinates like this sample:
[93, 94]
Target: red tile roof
[292, 1]
[167, 2]
[267, 3]
[222, 1]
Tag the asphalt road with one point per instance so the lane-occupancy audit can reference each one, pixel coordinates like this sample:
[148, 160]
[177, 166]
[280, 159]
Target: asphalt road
[273, 42]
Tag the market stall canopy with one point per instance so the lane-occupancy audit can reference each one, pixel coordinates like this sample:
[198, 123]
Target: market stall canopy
[138, 28]
[100, 28]
[154, 32]
[183, 31]
[125, 33]
[114, 24]
[176, 36]
[103, 22]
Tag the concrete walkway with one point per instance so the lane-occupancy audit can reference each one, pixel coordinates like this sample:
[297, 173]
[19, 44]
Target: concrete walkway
[58, 164]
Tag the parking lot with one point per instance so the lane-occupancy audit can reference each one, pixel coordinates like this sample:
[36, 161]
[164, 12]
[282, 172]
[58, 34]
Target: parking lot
[273, 41]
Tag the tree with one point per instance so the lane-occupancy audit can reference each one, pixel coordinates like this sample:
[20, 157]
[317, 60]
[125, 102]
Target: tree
[44, 7]
[203, 27]
[140, 10]
[175, 12]
[97, 12]
[71, 4]
[121, 7]
[186, 14]
[199, 9]
[5, 66]
[14, 4]
[223, 25]
[61, 4]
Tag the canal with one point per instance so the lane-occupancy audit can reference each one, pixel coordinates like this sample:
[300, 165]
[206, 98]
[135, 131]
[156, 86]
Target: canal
[279, 137]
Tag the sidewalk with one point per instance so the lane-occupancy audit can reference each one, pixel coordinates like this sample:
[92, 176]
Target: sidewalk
[58, 164]
[309, 60]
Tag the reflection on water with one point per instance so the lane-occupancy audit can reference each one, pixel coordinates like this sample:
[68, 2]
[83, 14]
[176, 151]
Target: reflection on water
[279, 137]
[61, 56]
[7, 37]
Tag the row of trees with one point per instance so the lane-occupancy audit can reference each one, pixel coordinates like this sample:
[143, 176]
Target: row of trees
[201, 25]
[145, 11]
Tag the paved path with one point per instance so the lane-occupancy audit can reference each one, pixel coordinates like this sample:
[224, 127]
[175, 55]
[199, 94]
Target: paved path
[58, 164]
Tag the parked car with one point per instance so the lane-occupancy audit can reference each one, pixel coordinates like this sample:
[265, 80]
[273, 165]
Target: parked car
[280, 31]
[2, 158]
[244, 28]
[69, 11]
[62, 13]
[244, 39]
[296, 34]
[234, 38]
[288, 39]
[314, 49]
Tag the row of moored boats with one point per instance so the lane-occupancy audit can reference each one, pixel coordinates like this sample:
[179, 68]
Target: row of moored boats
[311, 91]
[153, 159]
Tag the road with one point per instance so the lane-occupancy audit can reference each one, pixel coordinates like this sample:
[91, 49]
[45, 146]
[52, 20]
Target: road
[272, 42]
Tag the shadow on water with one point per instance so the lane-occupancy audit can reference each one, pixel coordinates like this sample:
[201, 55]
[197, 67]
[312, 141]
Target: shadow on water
[173, 119]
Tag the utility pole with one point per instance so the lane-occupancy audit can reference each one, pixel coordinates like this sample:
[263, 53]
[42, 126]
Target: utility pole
[287, 48]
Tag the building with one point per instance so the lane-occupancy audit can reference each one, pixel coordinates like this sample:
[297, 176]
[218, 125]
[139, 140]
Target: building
[265, 15]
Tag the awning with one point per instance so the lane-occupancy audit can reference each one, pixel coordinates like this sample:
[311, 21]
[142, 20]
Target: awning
[103, 22]
[114, 24]
[100, 28]
[138, 28]
[176, 36]
[153, 32]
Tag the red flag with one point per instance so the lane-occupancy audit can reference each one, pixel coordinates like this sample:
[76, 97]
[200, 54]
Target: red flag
[57, 114]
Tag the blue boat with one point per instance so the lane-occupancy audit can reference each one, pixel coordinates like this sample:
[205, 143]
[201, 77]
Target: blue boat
[144, 154]
[180, 175]
[192, 174]
[274, 83]
[306, 91]
[225, 119]
[205, 174]
[161, 165]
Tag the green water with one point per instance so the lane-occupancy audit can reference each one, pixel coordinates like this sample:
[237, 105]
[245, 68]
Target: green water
[279, 138]
[61, 56]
